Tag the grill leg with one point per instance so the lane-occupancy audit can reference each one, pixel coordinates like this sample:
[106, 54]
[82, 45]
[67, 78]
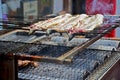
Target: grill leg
[8, 68]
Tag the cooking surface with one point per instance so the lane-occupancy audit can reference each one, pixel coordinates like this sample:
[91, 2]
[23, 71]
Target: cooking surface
[82, 66]
[6, 47]
[20, 36]
[44, 50]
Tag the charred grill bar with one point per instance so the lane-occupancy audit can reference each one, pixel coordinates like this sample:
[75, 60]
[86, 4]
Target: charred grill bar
[83, 61]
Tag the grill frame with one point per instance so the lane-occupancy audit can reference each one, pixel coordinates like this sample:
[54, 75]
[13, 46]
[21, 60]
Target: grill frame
[68, 56]
[65, 59]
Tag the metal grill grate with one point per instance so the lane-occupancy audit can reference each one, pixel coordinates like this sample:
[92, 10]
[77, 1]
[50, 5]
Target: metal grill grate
[20, 36]
[82, 66]
[6, 46]
[44, 50]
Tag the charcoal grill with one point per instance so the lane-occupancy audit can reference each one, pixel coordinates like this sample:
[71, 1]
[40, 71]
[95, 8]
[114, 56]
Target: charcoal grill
[58, 58]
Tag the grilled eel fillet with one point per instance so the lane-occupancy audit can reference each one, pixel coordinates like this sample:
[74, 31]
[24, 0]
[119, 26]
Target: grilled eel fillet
[70, 23]
[43, 25]
[65, 23]
[90, 23]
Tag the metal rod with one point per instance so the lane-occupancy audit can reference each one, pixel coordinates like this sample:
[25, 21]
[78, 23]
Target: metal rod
[15, 22]
[39, 58]
[117, 39]
[13, 25]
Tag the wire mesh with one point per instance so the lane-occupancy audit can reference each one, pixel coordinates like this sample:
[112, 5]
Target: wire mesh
[81, 67]
[43, 50]
[20, 36]
[7, 46]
